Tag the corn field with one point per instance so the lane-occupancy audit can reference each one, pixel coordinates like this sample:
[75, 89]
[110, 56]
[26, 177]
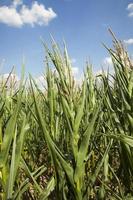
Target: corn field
[68, 141]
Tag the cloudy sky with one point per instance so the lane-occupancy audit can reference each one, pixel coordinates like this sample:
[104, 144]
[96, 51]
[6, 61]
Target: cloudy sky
[82, 23]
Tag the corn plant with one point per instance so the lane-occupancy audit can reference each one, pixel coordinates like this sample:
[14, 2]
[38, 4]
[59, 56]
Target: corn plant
[68, 141]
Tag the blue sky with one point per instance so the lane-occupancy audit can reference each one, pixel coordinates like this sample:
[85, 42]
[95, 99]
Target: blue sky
[82, 23]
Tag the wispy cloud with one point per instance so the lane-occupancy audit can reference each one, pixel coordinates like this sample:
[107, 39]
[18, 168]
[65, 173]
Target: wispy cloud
[130, 9]
[12, 76]
[37, 14]
[73, 60]
[129, 41]
[75, 71]
[107, 61]
[41, 81]
[107, 67]
[10, 80]
[17, 3]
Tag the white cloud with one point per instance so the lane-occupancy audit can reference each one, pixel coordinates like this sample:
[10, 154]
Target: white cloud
[77, 75]
[75, 71]
[79, 80]
[17, 3]
[107, 61]
[41, 82]
[9, 81]
[10, 77]
[129, 41]
[10, 16]
[40, 79]
[73, 60]
[107, 66]
[130, 6]
[36, 15]
[130, 9]
[100, 72]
